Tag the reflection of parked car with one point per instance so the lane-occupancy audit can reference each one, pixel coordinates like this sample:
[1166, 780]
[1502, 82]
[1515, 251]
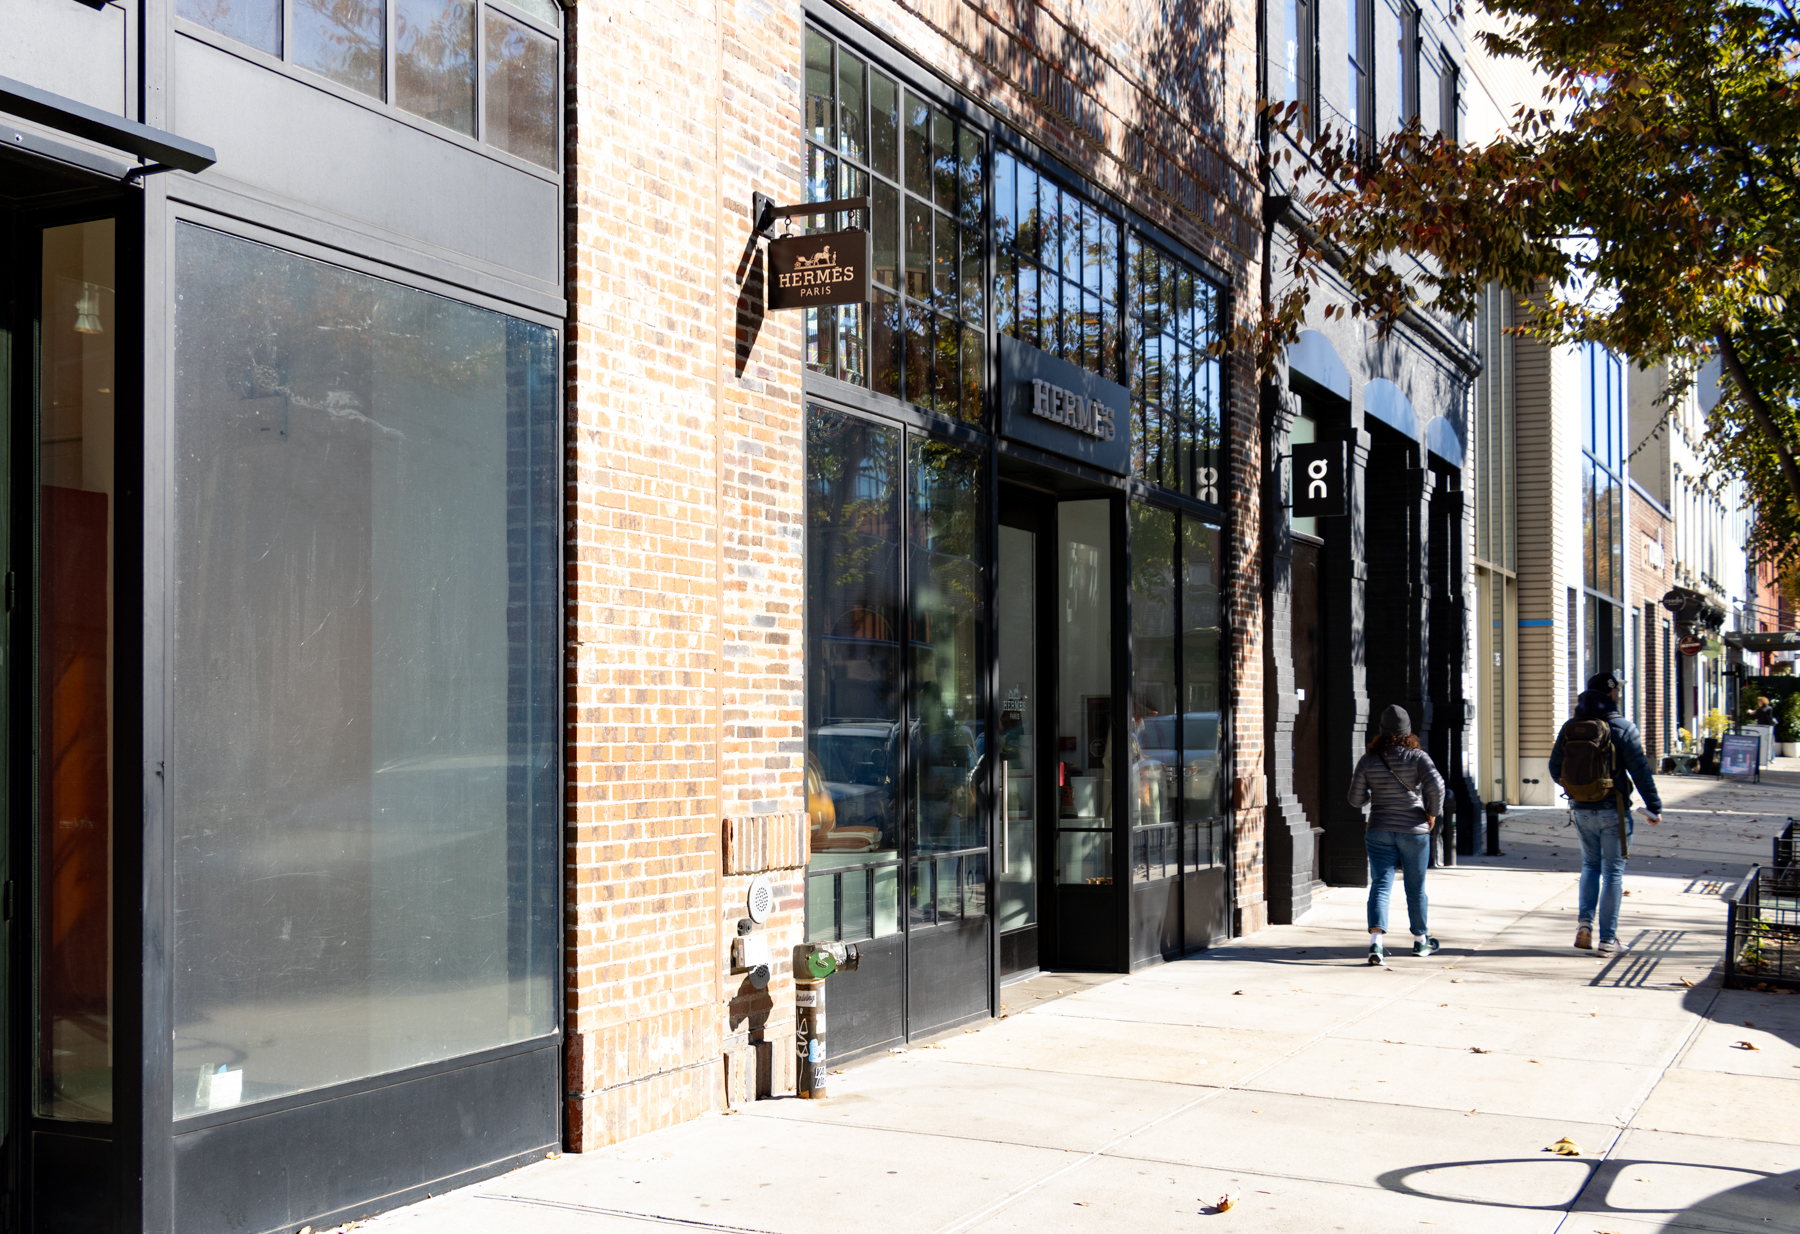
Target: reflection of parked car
[856, 762]
[1200, 734]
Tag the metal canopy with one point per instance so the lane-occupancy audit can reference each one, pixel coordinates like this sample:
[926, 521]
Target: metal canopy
[80, 120]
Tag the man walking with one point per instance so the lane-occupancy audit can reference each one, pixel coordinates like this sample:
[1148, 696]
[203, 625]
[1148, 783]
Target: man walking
[1592, 757]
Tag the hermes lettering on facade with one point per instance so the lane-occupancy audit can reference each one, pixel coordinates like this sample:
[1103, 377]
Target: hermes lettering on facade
[1071, 410]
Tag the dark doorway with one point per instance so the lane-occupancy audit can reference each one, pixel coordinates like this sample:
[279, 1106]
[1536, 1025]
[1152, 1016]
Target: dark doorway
[1309, 687]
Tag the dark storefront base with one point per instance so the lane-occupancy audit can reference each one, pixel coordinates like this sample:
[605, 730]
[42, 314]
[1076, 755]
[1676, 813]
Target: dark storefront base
[347, 1152]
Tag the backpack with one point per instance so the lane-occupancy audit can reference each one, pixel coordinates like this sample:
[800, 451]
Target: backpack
[1590, 760]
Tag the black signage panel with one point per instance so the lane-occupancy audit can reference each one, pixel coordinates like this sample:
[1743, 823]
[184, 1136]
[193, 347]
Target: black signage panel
[809, 271]
[1321, 488]
[1059, 407]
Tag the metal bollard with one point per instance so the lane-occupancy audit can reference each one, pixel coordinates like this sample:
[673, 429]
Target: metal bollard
[1448, 823]
[1494, 810]
[813, 963]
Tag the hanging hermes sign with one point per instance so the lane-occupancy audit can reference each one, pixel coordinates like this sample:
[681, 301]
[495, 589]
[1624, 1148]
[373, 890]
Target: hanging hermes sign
[1057, 406]
[810, 271]
[1319, 479]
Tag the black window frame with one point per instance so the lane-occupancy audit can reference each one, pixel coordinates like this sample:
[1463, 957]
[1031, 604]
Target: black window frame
[1409, 48]
[1361, 56]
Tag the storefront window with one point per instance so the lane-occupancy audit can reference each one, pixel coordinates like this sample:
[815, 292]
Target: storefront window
[949, 664]
[854, 617]
[1056, 276]
[920, 337]
[75, 637]
[1084, 692]
[434, 73]
[1202, 690]
[1156, 714]
[365, 755]
[1177, 437]
[1175, 790]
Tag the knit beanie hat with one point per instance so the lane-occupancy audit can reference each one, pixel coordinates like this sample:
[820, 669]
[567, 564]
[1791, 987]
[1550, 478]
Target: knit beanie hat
[1395, 722]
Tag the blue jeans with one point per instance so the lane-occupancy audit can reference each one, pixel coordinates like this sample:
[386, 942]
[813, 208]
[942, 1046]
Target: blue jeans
[1602, 867]
[1410, 854]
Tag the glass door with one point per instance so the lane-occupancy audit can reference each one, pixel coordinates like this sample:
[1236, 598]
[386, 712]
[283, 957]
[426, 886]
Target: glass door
[72, 954]
[1016, 859]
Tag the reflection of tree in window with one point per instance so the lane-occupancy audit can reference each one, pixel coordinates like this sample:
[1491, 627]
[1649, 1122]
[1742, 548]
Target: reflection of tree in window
[345, 40]
[434, 61]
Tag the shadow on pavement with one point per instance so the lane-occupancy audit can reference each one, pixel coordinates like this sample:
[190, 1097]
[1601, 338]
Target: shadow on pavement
[1762, 1200]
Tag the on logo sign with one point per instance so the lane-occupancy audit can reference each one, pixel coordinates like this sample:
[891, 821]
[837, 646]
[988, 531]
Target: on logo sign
[1316, 471]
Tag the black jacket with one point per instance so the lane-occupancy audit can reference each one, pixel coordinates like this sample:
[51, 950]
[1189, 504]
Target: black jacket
[1597, 704]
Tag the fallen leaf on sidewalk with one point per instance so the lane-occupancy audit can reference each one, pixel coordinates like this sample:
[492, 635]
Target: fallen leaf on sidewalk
[1082, 1204]
[1237, 991]
[1745, 1045]
[1225, 1203]
[1475, 1049]
[1566, 1147]
[1748, 1024]
[1689, 984]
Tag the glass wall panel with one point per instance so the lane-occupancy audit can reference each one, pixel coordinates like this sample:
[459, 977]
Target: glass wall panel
[1202, 689]
[256, 22]
[924, 171]
[345, 40]
[1155, 695]
[522, 67]
[75, 637]
[1084, 692]
[853, 624]
[365, 753]
[1017, 653]
[948, 575]
[434, 61]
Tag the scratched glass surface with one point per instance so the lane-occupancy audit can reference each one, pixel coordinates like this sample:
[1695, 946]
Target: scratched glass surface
[363, 775]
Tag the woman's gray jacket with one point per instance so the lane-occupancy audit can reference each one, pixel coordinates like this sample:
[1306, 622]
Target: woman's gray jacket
[1405, 790]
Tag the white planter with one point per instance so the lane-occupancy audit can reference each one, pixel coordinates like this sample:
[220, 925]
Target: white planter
[1789, 749]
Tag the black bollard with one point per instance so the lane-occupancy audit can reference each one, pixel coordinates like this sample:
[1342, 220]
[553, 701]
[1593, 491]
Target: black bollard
[1494, 810]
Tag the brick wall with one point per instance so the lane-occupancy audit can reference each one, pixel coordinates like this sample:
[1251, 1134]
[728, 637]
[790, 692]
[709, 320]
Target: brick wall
[685, 470]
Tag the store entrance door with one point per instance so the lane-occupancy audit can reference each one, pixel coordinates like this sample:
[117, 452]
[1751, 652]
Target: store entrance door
[1019, 574]
[58, 340]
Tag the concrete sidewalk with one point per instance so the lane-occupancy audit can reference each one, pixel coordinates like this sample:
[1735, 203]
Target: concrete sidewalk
[1328, 1095]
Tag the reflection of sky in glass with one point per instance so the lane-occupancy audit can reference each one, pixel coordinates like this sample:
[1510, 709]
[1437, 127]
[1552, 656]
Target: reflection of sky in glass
[256, 22]
[345, 40]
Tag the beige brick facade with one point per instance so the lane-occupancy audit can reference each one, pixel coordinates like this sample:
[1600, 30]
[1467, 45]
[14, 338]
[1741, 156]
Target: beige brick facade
[685, 470]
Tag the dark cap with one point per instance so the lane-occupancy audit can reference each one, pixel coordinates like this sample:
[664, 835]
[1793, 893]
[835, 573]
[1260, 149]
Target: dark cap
[1606, 681]
[1395, 722]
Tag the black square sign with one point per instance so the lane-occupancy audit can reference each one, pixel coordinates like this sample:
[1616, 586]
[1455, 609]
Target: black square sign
[810, 271]
[1321, 488]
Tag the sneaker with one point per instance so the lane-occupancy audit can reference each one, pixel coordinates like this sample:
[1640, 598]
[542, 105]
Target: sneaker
[1377, 957]
[1425, 946]
[1611, 946]
[1584, 937]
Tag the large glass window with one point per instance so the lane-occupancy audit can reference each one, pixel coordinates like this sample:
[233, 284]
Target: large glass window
[1604, 454]
[1177, 440]
[78, 333]
[857, 576]
[1057, 284]
[364, 765]
[948, 622]
[434, 45]
[921, 336]
[1084, 698]
[1175, 794]
[854, 616]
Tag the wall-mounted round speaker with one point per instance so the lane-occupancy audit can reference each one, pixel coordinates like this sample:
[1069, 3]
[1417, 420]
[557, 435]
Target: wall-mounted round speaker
[762, 898]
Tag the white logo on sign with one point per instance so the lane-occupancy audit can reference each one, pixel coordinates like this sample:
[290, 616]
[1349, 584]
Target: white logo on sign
[1317, 470]
[1209, 485]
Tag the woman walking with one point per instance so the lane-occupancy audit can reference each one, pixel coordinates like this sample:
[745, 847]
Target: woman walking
[1407, 792]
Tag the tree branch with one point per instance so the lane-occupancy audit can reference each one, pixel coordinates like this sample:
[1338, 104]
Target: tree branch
[1763, 415]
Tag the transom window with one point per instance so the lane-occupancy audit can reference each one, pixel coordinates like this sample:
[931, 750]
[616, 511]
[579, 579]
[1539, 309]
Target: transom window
[487, 71]
[920, 338]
